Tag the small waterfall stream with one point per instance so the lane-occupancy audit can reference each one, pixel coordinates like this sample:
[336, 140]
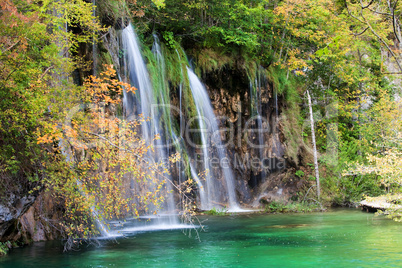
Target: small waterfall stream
[256, 114]
[266, 142]
[278, 149]
[162, 104]
[210, 138]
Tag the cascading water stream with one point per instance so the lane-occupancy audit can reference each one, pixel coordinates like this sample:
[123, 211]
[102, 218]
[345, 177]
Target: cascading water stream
[277, 146]
[201, 191]
[256, 113]
[143, 102]
[164, 111]
[180, 128]
[136, 71]
[213, 196]
[256, 90]
[276, 123]
[276, 106]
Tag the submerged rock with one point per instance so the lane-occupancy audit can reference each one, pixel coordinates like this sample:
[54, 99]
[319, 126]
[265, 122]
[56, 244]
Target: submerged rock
[285, 226]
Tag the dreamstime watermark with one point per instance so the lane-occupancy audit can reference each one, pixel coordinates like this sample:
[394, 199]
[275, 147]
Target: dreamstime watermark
[217, 131]
[203, 133]
[241, 162]
[245, 162]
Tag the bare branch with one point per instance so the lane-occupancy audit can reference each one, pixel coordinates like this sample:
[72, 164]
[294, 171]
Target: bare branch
[350, 13]
[385, 44]
[47, 70]
[380, 13]
[11, 46]
[393, 26]
[357, 34]
[369, 4]
[364, 21]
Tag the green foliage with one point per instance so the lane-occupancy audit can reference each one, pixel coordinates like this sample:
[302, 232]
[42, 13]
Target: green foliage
[299, 173]
[212, 60]
[216, 212]
[296, 148]
[112, 10]
[34, 85]
[169, 39]
[320, 46]
[281, 207]
[159, 3]
[391, 204]
[4, 247]
[234, 27]
[349, 190]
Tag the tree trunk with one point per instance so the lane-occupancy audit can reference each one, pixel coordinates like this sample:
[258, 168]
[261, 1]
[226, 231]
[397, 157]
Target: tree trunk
[317, 174]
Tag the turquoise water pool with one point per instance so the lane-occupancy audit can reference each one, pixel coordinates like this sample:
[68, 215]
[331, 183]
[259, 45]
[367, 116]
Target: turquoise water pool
[339, 238]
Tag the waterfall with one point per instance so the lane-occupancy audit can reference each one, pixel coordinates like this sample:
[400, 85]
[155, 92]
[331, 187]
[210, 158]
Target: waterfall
[164, 111]
[276, 107]
[210, 139]
[256, 89]
[151, 100]
[278, 147]
[203, 199]
[256, 113]
[180, 97]
[180, 128]
[103, 229]
[144, 102]
[260, 125]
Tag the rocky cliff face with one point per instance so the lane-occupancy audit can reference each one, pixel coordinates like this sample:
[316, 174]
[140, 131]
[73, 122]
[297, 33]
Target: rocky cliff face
[261, 169]
[29, 219]
[41, 221]
[11, 209]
